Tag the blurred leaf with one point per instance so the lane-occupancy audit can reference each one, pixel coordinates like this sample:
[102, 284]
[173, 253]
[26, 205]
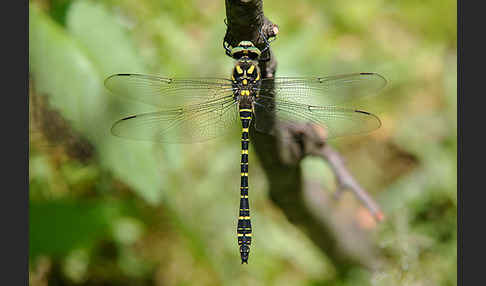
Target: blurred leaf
[63, 70]
[58, 10]
[102, 35]
[57, 227]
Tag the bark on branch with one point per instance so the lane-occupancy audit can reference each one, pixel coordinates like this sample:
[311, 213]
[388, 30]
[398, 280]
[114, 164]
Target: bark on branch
[305, 203]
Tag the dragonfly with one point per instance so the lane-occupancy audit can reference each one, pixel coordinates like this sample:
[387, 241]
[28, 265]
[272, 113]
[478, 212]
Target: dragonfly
[199, 109]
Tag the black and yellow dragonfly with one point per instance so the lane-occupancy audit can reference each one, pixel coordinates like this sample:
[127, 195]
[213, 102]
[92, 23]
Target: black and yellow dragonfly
[198, 109]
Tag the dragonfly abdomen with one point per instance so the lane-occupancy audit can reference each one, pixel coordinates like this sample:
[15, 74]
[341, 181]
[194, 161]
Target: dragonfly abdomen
[244, 224]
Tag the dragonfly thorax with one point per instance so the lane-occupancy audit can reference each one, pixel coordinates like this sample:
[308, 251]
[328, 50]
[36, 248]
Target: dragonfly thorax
[246, 69]
[246, 79]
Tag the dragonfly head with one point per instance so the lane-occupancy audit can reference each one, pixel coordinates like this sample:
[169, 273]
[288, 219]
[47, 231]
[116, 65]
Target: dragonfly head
[245, 50]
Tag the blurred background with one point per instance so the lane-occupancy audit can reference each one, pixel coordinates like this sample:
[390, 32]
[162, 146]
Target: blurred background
[111, 211]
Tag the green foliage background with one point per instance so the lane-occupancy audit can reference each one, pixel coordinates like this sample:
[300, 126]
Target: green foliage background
[109, 211]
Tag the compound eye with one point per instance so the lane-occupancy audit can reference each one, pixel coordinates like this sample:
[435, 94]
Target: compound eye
[237, 55]
[253, 56]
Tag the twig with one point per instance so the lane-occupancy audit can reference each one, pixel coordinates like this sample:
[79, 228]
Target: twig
[315, 138]
[347, 182]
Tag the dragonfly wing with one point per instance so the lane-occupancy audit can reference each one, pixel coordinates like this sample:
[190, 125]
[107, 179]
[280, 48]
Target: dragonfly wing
[334, 121]
[194, 123]
[163, 92]
[327, 90]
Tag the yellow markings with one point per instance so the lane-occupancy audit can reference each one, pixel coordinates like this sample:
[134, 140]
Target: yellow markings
[238, 69]
[250, 70]
[233, 77]
[249, 117]
[244, 217]
[244, 174]
[244, 209]
[245, 92]
[245, 140]
[244, 151]
[242, 188]
[245, 109]
[244, 197]
[258, 77]
[243, 234]
[245, 82]
[244, 130]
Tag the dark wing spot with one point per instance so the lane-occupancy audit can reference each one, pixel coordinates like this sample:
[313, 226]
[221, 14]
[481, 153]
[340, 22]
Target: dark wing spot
[129, 117]
[370, 114]
[361, 111]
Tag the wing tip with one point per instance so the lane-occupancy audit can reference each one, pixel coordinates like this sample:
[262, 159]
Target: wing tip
[106, 82]
[114, 127]
[372, 115]
[384, 80]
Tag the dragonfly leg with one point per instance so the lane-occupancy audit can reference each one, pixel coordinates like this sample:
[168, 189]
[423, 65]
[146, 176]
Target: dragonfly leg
[267, 46]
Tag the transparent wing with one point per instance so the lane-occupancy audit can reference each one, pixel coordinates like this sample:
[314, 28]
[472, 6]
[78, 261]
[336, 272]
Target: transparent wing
[163, 92]
[194, 123]
[327, 90]
[334, 121]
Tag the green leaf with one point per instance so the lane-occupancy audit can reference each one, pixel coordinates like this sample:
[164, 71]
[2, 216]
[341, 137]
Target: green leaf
[104, 38]
[57, 227]
[68, 71]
